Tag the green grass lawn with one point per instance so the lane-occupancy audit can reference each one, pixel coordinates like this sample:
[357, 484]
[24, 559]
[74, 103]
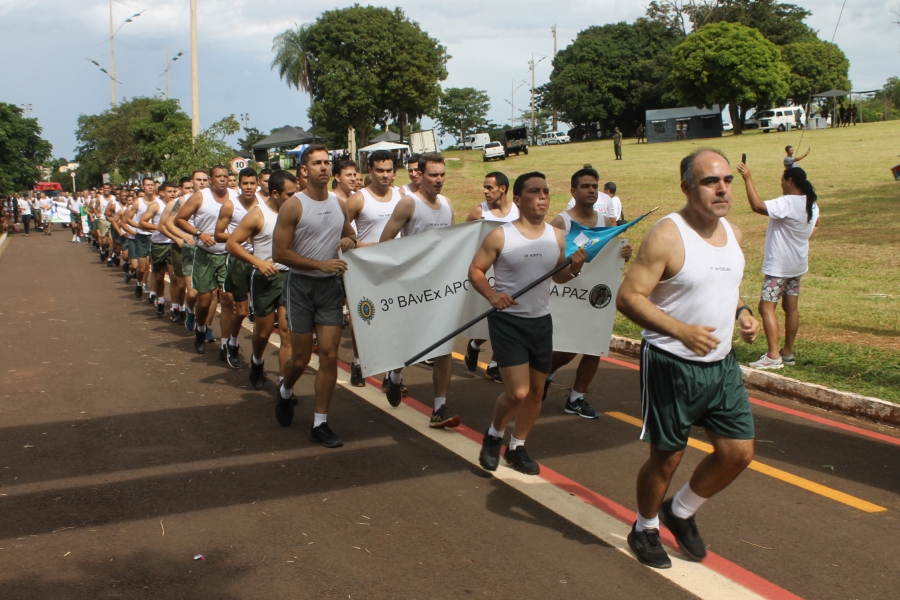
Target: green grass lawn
[850, 303]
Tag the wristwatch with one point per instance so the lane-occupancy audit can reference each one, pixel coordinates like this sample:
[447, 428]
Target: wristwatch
[573, 275]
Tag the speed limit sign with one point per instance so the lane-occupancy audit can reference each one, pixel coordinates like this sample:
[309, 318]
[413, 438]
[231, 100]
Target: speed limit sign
[239, 163]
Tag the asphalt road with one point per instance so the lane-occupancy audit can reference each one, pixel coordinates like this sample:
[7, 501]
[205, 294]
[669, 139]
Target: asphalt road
[124, 454]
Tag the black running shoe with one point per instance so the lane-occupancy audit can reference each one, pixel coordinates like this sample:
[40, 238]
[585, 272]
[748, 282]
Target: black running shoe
[394, 392]
[117, 261]
[442, 418]
[234, 357]
[160, 310]
[176, 315]
[546, 388]
[284, 409]
[648, 549]
[251, 317]
[125, 268]
[581, 408]
[151, 299]
[489, 457]
[138, 291]
[128, 276]
[685, 532]
[471, 358]
[223, 353]
[521, 462]
[356, 376]
[200, 342]
[325, 436]
[493, 373]
[257, 375]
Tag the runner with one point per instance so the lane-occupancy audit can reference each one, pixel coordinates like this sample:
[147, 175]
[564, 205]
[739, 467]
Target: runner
[128, 234]
[585, 186]
[208, 270]
[415, 175]
[104, 241]
[496, 207]
[161, 260]
[268, 276]
[263, 191]
[345, 176]
[199, 181]
[140, 245]
[311, 226]
[521, 331]
[74, 205]
[684, 289]
[112, 210]
[180, 240]
[236, 291]
[232, 182]
[426, 209]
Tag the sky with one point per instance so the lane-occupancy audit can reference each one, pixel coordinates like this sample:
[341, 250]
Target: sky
[48, 42]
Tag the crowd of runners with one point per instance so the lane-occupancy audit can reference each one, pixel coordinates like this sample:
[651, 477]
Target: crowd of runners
[264, 246]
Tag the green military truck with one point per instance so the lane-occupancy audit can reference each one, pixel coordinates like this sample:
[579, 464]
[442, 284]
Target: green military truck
[514, 140]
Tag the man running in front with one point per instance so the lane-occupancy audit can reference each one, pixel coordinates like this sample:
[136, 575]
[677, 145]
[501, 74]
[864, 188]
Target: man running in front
[684, 290]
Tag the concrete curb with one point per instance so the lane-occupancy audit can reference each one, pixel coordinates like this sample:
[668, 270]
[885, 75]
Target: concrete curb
[865, 407]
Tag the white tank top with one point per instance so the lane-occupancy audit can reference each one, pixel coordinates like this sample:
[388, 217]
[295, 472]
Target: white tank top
[567, 219]
[426, 218]
[374, 215]
[237, 216]
[487, 215]
[521, 261]
[104, 202]
[141, 209]
[206, 216]
[262, 242]
[318, 232]
[157, 237]
[704, 292]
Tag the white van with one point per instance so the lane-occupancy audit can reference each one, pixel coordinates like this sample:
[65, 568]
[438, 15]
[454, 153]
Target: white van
[554, 137]
[779, 119]
[475, 142]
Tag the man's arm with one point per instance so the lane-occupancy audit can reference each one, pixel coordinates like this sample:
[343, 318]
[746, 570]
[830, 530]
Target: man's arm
[578, 258]
[348, 234]
[288, 217]
[249, 226]
[756, 203]
[145, 223]
[167, 224]
[482, 261]
[125, 221]
[476, 214]
[129, 218]
[799, 158]
[403, 212]
[186, 212]
[225, 214]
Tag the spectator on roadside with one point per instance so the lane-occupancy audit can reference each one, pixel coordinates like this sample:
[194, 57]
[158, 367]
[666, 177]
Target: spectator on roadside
[25, 213]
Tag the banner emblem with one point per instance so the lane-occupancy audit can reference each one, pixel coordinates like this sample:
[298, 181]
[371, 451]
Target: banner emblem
[366, 310]
[600, 296]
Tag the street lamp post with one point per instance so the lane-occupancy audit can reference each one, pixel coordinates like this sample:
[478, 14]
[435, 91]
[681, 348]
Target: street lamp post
[245, 120]
[195, 81]
[512, 102]
[74, 191]
[169, 66]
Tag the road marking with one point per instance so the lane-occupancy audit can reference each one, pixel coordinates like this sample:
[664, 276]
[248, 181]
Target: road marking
[759, 467]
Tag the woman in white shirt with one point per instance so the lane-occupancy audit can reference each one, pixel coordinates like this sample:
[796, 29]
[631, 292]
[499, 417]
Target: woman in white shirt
[793, 219]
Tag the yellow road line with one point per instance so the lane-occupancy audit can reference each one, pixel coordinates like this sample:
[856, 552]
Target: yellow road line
[784, 476]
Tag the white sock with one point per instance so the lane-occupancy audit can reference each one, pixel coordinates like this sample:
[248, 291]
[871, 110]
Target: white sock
[285, 393]
[258, 361]
[233, 341]
[645, 523]
[474, 346]
[550, 376]
[396, 378]
[280, 380]
[492, 364]
[515, 442]
[224, 342]
[494, 432]
[152, 294]
[176, 306]
[161, 301]
[190, 311]
[575, 395]
[201, 328]
[356, 360]
[318, 419]
[686, 502]
[439, 402]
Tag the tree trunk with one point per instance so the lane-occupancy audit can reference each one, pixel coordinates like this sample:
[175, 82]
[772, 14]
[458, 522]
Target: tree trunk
[402, 127]
[737, 118]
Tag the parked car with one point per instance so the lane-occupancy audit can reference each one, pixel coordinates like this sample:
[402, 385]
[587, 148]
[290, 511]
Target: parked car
[777, 119]
[493, 151]
[553, 137]
[475, 141]
[514, 140]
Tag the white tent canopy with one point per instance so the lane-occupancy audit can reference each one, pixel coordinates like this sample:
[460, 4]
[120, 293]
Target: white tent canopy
[384, 146]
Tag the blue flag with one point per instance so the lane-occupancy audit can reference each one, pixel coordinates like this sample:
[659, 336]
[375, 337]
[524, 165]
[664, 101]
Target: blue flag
[593, 239]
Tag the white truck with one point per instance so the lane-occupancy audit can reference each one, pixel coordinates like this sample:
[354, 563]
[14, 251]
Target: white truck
[493, 151]
[421, 142]
[475, 141]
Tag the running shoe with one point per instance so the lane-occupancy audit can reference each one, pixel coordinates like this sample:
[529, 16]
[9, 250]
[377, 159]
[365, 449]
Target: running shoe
[648, 549]
[429, 362]
[471, 358]
[493, 373]
[234, 357]
[394, 392]
[442, 418]
[125, 268]
[581, 408]
[199, 342]
[190, 322]
[257, 375]
[251, 316]
[284, 409]
[138, 291]
[325, 436]
[209, 336]
[223, 353]
[356, 376]
[766, 362]
[489, 457]
[384, 382]
[788, 359]
[152, 298]
[519, 460]
[128, 276]
[685, 532]
[160, 310]
[117, 261]
[546, 388]
[176, 315]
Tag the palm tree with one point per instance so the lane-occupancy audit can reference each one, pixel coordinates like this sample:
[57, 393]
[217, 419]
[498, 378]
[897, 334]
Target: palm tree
[294, 61]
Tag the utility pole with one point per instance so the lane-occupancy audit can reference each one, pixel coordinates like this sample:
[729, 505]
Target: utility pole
[112, 54]
[195, 81]
[532, 65]
[553, 29]
[30, 107]
[166, 64]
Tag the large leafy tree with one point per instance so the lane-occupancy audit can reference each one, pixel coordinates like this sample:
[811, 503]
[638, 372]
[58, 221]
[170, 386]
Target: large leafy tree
[729, 63]
[816, 66]
[22, 150]
[463, 110]
[612, 72]
[363, 66]
[252, 135]
[206, 150]
[158, 133]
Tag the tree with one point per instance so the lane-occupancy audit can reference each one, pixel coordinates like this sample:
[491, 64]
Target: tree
[252, 135]
[22, 150]
[157, 133]
[816, 67]
[462, 110]
[729, 63]
[363, 66]
[614, 71]
[294, 60]
[205, 151]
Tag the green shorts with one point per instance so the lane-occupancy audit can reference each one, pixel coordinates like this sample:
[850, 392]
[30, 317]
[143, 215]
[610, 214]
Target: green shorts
[141, 245]
[187, 259]
[237, 278]
[177, 261]
[208, 273]
[266, 292]
[313, 300]
[160, 256]
[128, 246]
[116, 236]
[677, 393]
[102, 227]
[519, 340]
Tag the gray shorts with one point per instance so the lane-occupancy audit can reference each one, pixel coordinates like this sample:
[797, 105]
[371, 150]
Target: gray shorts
[311, 300]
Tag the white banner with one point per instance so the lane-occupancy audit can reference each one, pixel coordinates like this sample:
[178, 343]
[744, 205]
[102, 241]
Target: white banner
[406, 294]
